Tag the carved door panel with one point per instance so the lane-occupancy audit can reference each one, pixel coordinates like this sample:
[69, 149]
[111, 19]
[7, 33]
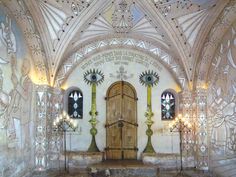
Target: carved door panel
[121, 124]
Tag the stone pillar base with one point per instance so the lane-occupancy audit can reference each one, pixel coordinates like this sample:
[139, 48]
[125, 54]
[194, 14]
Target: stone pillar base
[166, 161]
[79, 159]
[83, 159]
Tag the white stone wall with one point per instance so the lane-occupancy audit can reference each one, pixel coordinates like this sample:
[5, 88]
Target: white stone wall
[134, 63]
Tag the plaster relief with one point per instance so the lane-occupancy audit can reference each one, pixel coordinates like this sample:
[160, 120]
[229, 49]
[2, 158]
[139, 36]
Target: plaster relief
[222, 91]
[16, 125]
[119, 57]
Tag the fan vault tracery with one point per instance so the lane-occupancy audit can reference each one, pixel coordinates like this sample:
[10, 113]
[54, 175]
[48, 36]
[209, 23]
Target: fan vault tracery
[215, 36]
[142, 24]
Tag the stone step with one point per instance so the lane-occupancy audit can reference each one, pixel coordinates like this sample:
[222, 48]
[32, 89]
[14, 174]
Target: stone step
[128, 172]
[224, 166]
[123, 173]
[226, 171]
[185, 173]
[78, 172]
[223, 161]
[123, 169]
[167, 161]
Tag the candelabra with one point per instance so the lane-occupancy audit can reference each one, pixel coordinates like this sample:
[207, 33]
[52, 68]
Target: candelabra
[64, 124]
[94, 78]
[149, 79]
[181, 125]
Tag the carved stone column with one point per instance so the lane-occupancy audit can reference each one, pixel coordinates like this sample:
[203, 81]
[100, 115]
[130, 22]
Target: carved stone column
[186, 101]
[55, 143]
[42, 113]
[202, 144]
[47, 143]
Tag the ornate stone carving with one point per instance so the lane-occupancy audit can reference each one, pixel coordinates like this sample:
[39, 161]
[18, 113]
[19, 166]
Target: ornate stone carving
[16, 91]
[41, 138]
[121, 74]
[55, 139]
[140, 45]
[48, 143]
[227, 17]
[222, 97]
[122, 17]
[26, 22]
[202, 129]
[189, 138]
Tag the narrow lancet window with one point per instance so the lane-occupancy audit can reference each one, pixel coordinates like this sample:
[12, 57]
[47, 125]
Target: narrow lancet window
[75, 104]
[167, 105]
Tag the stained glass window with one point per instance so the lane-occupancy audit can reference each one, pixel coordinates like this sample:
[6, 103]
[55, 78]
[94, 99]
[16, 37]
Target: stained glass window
[167, 105]
[75, 104]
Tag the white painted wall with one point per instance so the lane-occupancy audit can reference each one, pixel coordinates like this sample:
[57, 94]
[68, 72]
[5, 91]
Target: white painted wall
[109, 63]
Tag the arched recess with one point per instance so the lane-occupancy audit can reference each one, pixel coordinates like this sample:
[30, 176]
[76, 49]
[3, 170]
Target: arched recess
[225, 20]
[127, 43]
[169, 104]
[121, 123]
[73, 102]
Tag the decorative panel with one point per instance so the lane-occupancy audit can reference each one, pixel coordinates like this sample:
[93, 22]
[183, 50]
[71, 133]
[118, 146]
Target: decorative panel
[16, 98]
[41, 144]
[187, 107]
[147, 47]
[202, 129]
[222, 105]
[47, 142]
[54, 138]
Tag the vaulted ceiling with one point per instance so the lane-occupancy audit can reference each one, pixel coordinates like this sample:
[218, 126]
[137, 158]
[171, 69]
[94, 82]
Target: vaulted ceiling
[178, 28]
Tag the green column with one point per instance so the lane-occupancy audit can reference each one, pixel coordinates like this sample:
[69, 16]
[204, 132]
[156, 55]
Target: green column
[149, 98]
[149, 114]
[93, 121]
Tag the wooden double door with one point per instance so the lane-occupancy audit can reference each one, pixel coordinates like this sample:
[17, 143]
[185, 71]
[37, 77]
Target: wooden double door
[121, 122]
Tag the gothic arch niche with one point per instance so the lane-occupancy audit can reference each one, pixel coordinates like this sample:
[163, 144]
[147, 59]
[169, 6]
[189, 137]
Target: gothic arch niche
[73, 102]
[110, 61]
[168, 104]
[121, 122]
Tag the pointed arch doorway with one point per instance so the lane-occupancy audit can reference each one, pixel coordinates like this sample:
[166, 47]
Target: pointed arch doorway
[121, 121]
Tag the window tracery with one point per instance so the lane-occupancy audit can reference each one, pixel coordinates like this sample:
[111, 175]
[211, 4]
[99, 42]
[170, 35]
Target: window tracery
[75, 104]
[167, 105]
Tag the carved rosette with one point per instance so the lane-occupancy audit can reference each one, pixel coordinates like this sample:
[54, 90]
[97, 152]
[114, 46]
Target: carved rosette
[122, 19]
